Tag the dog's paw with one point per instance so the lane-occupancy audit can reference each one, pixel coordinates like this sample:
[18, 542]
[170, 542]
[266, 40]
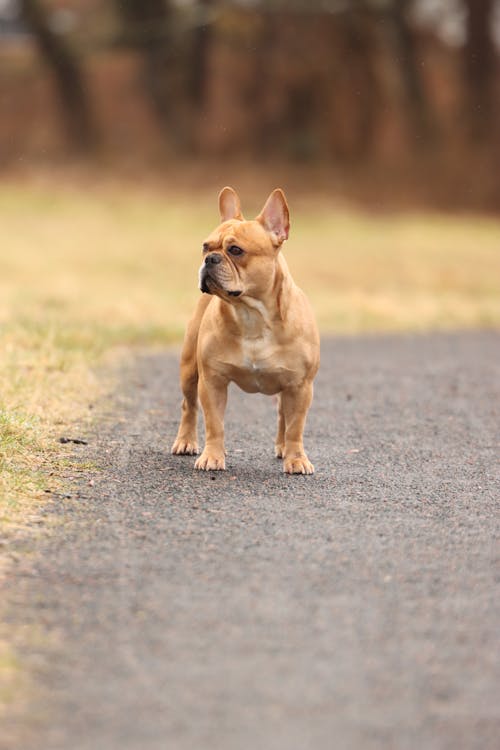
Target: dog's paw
[298, 464]
[185, 447]
[279, 451]
[210, 461]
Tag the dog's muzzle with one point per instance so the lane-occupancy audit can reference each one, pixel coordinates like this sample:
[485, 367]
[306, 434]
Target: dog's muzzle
[213, 259]
[208, 276]
[204, 277]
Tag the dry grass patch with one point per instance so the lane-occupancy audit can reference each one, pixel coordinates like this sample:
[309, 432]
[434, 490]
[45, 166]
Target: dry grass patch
[46, 385]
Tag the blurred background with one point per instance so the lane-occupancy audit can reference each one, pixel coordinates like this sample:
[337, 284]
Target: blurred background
[400, 97]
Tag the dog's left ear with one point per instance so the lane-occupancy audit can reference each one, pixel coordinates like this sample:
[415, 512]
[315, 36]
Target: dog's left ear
[275, 217]
[229, 204]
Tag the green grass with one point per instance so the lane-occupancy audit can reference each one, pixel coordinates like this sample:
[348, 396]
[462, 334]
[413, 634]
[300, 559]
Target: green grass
[86, 269]
[17, 475]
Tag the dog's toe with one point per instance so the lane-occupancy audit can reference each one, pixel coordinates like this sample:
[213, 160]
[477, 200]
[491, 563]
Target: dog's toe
[298, 465]
[210, 462]
[182, 447]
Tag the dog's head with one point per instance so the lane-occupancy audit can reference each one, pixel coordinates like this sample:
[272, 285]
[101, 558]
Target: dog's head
[239, 257]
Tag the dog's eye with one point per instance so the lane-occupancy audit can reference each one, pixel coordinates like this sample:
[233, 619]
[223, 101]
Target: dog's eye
[235, 250]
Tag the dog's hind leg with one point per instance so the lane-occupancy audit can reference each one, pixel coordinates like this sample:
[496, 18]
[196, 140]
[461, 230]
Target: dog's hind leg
[186, 442]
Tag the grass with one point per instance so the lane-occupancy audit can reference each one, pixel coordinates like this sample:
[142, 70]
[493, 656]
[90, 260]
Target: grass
[87, 268]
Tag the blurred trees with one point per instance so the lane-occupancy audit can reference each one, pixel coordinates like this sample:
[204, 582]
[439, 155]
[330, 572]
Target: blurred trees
[175, 57]
[406, 58]
[202, 40]
[67, 74]
[301, 78]
[479, 64]
[147, 29]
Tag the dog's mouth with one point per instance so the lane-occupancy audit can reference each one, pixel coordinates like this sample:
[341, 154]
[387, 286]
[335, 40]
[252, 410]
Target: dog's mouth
[204, 283]
[208, 285]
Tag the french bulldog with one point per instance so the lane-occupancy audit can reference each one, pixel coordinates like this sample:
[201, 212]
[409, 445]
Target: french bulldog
[253, 326]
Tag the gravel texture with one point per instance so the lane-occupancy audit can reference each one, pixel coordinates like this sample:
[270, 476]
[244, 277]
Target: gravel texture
[171, 609]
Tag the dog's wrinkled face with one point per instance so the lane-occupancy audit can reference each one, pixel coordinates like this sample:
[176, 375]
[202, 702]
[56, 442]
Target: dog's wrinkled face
[239, 256]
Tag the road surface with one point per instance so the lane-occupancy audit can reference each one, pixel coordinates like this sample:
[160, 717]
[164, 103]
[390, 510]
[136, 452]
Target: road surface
[168, 609]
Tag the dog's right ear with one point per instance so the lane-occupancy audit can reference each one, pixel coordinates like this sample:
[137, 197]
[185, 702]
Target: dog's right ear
[229, 204]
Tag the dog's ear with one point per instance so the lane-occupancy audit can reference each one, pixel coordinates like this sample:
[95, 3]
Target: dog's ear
[229, 204]
[275, 217]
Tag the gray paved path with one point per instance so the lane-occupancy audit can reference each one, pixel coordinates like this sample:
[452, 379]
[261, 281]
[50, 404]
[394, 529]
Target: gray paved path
[354, 609]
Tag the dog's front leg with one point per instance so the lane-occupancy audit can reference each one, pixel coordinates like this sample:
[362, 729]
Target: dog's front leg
[295, 403]
[213, 396]
[279, 443]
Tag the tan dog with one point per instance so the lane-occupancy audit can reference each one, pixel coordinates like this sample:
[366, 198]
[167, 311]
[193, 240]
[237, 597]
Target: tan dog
[255, 328]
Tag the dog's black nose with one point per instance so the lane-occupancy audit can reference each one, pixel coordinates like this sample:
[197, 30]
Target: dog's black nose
[213, 259]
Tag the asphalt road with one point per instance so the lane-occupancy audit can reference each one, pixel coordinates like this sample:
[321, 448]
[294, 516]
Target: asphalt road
[168, 609]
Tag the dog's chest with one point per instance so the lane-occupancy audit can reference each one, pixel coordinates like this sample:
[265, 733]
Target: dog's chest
[259, 354]
[262, 365]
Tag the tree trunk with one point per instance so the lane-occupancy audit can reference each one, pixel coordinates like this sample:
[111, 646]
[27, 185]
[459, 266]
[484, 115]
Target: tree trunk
[147, 29]
[67, 75]
[359, 46]
[479, 61]
[421, 122]
[201, 49]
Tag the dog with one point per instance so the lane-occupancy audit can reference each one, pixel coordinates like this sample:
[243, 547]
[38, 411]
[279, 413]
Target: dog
[253, 326]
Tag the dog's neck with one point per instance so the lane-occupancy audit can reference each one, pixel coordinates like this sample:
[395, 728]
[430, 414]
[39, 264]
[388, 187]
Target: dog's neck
[254, 316]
